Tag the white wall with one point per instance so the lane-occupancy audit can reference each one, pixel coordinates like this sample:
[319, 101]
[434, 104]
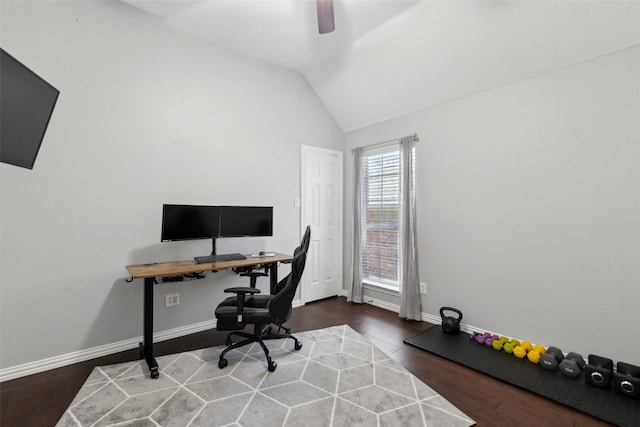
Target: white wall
[529, 206]
[436, 51]
[145, 116]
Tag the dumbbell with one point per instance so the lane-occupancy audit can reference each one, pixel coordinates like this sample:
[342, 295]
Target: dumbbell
[508, 347]
[489, 340]
[475, 335]
[626, 380]
[572, 364]
[480, 337]
[551, 358]
[598, 371]
[520, 351]
[497, 344]
[540, 349]
[486, 338]
[535, 353]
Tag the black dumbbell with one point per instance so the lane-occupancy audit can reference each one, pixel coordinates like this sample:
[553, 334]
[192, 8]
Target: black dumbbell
[626, 380]
[572, 364]
[550, 359]
[598, 371]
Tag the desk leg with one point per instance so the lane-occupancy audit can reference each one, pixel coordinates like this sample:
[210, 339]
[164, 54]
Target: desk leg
[273, 276]
[147, 345]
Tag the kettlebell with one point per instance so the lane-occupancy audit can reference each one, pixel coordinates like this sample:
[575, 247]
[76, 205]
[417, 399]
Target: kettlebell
[450, 325]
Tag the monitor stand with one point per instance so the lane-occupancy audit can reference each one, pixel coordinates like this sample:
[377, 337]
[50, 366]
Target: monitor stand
[200, 259]
[213, 246]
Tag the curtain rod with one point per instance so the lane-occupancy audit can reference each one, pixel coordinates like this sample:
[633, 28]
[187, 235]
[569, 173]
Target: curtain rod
[414, 137]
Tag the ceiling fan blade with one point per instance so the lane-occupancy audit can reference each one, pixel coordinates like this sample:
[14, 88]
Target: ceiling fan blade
[326, 23]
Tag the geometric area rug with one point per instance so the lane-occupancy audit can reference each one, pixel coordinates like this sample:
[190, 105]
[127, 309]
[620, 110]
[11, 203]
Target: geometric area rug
[337, 379]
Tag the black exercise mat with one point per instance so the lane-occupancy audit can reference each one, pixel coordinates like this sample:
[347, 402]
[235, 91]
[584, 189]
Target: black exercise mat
[573, 392]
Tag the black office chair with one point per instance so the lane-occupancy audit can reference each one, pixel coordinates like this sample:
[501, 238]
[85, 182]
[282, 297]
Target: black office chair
[261, 300]
[278, 309]
[253, 274]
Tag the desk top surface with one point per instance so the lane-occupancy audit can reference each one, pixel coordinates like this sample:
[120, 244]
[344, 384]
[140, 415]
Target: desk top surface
[141, 271]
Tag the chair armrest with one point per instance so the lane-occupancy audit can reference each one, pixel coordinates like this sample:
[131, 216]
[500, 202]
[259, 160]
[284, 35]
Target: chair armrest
[242, 290]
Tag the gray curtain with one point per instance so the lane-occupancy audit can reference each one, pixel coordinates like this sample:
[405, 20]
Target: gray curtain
[355, 295]
[410, 306]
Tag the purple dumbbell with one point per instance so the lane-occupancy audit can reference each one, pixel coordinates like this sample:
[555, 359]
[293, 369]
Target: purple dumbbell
[481, 338]
[488, 341]
[474, 335]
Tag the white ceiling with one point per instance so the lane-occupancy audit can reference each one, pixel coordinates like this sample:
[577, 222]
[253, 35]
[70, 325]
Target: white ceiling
[388, 58]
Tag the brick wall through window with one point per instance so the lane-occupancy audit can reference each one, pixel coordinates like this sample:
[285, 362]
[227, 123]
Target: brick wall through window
[380, 222]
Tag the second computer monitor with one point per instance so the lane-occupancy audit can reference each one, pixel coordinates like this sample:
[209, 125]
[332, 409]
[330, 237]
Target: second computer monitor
[242, 221]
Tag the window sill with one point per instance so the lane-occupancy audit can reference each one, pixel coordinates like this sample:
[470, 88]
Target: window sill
[381, 287]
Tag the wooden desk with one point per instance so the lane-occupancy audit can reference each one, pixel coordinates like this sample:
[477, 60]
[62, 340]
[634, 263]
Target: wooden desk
[149, 272]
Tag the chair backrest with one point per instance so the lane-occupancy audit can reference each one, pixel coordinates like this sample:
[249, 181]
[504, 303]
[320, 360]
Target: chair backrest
[280, 306]
[306, 239]
[304, 243]
[304, 247]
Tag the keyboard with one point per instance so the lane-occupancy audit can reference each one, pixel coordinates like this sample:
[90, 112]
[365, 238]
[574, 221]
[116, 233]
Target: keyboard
[221, 257]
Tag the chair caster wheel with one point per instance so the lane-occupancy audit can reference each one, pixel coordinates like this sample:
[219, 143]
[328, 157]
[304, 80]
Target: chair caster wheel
[272, 366]
[297, 345]
[155, 374]
[222, 363]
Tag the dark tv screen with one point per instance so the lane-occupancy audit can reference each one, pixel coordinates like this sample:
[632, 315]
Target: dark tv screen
[245, 221]
[26, 105]
[189, 222]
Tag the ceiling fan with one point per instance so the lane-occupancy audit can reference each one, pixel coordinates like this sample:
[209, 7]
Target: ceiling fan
[326, 22]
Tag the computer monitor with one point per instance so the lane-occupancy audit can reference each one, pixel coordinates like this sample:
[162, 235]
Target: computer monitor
[246, 221]
[190, 222]
[26, 105]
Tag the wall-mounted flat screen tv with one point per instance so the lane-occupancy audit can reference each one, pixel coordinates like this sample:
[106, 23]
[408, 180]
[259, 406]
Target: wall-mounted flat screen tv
[189, 222]
[244, 221]
[26, 105]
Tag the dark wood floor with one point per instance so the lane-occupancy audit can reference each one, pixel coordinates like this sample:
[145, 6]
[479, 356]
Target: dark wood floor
[40, 400]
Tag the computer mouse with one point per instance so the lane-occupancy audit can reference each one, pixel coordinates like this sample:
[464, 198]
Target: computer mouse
[261, 253]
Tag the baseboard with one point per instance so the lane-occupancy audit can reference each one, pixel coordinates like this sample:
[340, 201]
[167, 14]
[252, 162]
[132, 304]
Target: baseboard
[426, 317]
[103, 350]
[381, 303]
[107, 349]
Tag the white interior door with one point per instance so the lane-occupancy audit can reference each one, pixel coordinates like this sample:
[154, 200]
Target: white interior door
[322, 209]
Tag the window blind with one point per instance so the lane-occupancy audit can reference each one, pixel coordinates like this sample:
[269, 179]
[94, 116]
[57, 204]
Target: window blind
[381, 215]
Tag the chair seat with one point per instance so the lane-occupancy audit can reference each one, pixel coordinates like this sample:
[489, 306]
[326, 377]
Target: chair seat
[259, 301]
[228, 316]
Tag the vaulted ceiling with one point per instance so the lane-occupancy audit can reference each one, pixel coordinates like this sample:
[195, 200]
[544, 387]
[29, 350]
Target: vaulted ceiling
[388, 58]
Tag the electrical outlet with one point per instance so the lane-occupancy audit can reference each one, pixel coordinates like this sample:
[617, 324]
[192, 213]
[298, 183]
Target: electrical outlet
[171, 300]
[423, 287]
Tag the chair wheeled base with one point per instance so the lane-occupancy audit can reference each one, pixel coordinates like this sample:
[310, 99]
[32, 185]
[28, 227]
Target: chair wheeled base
[259, 335]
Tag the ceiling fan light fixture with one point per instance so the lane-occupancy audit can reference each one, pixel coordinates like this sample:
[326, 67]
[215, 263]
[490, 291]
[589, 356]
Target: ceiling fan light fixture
[326, 22]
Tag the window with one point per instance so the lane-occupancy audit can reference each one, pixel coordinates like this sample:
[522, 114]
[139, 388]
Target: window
[385, 245]
[381, 216]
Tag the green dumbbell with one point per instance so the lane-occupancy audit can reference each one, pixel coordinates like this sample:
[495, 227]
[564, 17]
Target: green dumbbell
[508, 347]
[497, 344]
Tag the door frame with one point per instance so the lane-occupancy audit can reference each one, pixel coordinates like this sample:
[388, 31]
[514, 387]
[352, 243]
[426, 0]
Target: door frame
[305, 217]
